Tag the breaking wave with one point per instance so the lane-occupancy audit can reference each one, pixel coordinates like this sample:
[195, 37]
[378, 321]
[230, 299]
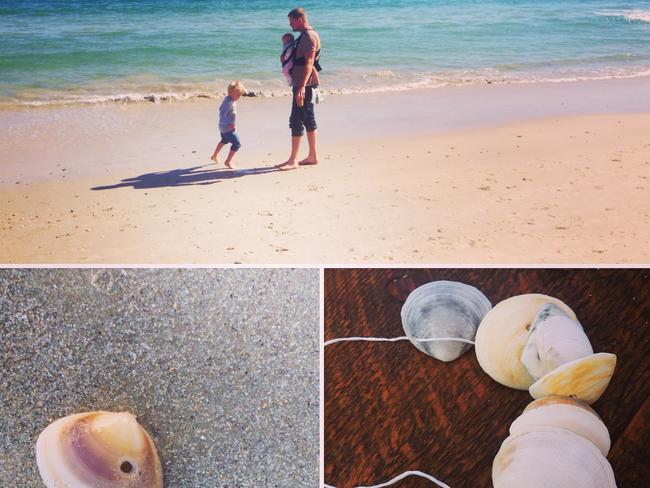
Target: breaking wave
[631, 15]
[344, 82]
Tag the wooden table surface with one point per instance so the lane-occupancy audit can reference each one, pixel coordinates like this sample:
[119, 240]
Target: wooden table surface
[390, 408]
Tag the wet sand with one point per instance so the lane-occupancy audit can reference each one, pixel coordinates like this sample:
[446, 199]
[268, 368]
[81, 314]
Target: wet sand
[538, 173]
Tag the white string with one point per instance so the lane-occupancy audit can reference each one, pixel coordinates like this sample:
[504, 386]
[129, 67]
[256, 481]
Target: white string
[401, 477]
[395, 339]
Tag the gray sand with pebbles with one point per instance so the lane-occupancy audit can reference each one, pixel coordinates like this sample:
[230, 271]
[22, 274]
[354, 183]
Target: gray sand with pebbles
[220, 366]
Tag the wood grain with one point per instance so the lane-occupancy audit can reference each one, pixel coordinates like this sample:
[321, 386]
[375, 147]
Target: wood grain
[390, 408]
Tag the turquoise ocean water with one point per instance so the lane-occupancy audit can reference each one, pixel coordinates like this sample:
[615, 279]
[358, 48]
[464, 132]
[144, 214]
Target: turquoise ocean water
[58, 52]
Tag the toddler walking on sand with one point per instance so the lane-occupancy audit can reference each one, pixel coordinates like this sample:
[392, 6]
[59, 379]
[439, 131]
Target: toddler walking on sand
[286, 58]
[227, 118]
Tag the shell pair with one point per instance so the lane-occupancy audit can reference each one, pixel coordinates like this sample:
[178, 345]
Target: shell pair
[98, 450]
[535, 342]
[557, 441]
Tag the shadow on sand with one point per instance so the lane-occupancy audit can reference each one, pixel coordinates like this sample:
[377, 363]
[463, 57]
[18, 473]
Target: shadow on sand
[195, 175]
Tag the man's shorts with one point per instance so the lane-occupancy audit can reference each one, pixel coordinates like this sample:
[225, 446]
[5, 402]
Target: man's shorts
[302, 117]
[231, 138]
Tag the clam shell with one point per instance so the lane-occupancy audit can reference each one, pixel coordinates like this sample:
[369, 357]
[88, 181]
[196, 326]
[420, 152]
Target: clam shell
[554, 339]
[98, 450]
[566, 413]
[502, 334]
[443, 309]
[550, 457]
[585, 378]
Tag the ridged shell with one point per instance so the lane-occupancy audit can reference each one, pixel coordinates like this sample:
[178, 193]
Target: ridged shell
[98, 450]
[502, 334]
[566, 413]
[443, 309]
[585, 378]
[550, 457]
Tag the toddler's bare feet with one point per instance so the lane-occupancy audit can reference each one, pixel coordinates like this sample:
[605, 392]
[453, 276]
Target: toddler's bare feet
[287, 165]
[214, 158]
[229, 164]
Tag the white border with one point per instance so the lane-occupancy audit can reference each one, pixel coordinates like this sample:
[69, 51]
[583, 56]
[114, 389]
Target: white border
[331, 266]
[321, 352]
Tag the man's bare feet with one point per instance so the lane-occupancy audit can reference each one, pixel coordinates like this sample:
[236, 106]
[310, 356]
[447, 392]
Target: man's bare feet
[287, 165]
[308, 162]
[229, 164]
[214, 158]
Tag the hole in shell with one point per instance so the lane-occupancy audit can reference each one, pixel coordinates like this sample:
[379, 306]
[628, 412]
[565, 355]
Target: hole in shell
[127, 467]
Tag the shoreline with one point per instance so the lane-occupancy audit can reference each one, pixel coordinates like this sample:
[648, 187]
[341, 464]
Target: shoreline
[156, 97]
[489, 175]
[43, 144]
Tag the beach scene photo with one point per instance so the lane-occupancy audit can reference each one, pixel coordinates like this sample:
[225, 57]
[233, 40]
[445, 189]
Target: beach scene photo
[435, 132]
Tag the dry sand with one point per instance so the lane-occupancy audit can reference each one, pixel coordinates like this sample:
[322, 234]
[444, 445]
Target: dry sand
[510, 174]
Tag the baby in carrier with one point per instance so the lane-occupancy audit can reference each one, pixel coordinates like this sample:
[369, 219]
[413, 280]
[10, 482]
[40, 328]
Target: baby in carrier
[289, 46]
[286, 58]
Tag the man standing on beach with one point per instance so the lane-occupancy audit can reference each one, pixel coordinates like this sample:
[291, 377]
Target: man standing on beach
[305, 79]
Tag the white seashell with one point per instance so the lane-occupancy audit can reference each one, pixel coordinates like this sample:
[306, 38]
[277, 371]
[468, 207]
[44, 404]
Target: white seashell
[566, 413]
[98, 450]
[502, 334]
[546, 457]
[554, 339]
[443, 309]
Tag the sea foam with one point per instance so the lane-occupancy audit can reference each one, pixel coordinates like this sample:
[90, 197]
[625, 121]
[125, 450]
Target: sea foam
[343, 82]
[630, 15]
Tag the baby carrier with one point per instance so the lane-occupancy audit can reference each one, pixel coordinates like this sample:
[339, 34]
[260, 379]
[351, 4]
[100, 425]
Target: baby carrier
[288, 60]
[301, 60]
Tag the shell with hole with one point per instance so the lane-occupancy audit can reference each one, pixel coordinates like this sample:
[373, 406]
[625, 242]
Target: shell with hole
[98, 450]
[558, 442]
[536, 342]
[443, 309]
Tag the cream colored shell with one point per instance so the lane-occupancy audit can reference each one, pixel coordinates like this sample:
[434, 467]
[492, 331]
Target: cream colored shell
[550, 457]
[98, 450]
[502, 334]
[585, 378]
[566, 413]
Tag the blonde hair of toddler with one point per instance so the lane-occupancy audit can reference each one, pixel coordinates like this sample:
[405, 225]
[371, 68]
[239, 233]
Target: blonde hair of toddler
[236, 87]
